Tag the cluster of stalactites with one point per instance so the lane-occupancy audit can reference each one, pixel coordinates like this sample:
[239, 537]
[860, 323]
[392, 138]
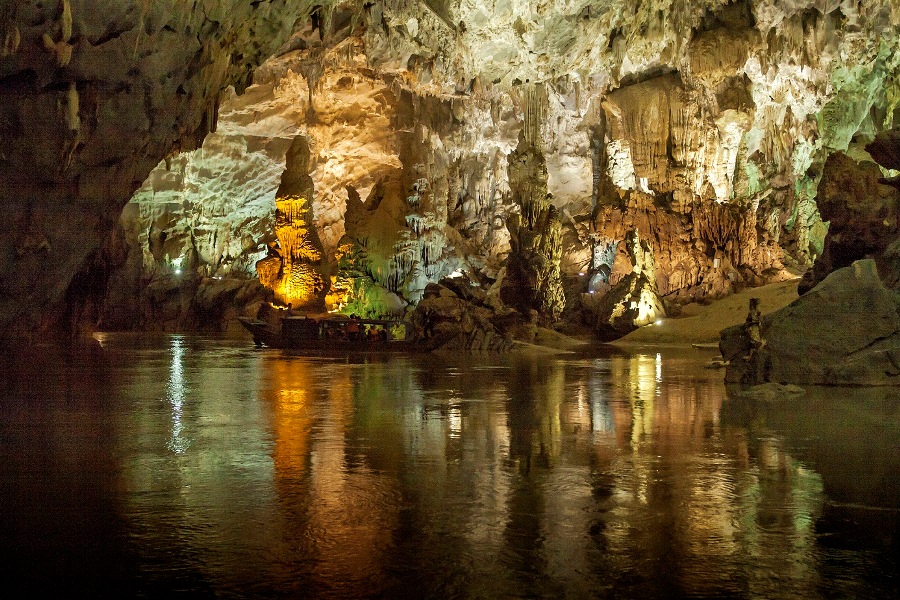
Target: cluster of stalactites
[367, 276]
[535, 105]
[291, 269]
[420, 247]
[292, 228]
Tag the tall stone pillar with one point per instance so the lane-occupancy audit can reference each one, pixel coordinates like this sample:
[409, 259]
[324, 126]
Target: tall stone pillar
[533, 279]
[293, 269]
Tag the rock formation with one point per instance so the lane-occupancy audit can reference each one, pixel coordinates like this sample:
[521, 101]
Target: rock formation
[862, 211]
[91, 99]
[703, 126]
[533, 267]
[454, 322]
[845, 331]
[634, 301]
[846, 328]
[293, 267]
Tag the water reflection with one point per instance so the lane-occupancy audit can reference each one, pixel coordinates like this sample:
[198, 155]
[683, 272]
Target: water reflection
[175, 392]
[612, 476]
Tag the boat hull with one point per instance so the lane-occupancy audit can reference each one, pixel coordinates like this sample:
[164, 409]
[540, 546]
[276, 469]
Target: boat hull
[265, 335]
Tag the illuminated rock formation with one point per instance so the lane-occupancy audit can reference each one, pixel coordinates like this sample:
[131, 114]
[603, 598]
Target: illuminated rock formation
[845, 329]
[634, 301]
[293, 267]
[703, 126]
[292, 270]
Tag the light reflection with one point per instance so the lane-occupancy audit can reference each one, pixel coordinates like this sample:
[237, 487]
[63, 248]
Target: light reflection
[548, 468]
[101, 337]
[602, 419]
[175, 394]
[455, 422]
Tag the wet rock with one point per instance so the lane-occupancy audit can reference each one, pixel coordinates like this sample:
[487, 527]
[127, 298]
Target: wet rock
[769, 391]
[443, 319]
[450, 321]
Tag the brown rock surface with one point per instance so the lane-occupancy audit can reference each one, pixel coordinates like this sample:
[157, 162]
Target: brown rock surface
[862, 213]
[885, 149]
[845, 331]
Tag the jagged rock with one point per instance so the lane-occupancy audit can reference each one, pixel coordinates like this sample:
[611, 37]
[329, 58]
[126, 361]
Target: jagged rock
[845, 331]
[465, 322]
[634, 301]
[889, 266]
[444, 316]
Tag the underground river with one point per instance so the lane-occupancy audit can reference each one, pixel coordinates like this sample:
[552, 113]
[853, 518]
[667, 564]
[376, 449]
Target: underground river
[167, 465]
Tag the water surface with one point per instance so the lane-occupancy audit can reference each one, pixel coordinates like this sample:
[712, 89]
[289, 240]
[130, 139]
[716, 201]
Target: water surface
[175, 465]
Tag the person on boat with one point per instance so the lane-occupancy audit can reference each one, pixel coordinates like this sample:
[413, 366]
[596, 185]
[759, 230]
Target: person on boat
[353, 327]
[373, 335]
[264, 313]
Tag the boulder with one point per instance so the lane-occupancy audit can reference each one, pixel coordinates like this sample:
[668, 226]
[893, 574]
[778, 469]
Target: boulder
[885, 149]
[845, 331]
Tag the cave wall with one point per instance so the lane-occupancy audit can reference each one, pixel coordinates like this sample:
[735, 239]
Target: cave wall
[92, 96]
[702, 126]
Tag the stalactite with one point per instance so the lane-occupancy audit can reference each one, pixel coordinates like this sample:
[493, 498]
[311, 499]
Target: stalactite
[717, 223]
[535, 113]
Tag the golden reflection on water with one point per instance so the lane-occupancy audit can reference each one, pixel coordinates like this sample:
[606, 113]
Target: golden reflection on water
[611, 476]
[528, 473]
[291, 417]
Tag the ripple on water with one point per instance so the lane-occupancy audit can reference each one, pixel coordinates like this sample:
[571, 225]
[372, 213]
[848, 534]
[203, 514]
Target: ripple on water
[201, 466]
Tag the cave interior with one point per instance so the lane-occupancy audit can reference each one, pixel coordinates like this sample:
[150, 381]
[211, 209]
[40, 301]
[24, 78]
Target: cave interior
[589, 166]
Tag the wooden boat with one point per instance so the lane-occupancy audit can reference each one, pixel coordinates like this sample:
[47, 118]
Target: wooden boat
[329, 334]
